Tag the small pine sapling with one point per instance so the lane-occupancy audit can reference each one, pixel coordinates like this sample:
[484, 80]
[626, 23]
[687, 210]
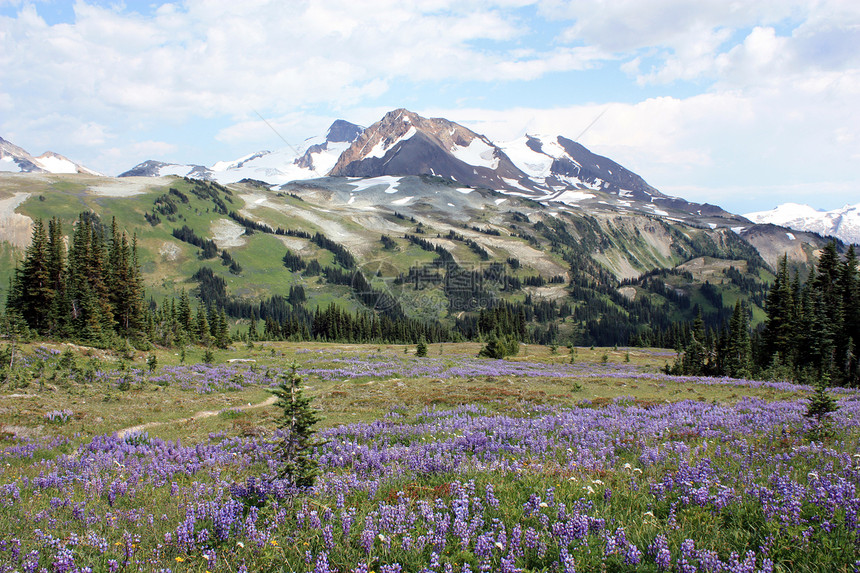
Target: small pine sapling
[821, 404]
[298, 467]
[421, 349]
[152, 362]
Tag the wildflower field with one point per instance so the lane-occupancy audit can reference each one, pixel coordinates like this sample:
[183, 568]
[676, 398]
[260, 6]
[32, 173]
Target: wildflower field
[545, 462]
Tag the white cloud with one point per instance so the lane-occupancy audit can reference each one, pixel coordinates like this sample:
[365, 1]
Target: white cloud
[693, 40]
[774, 83]
[209, 58]
[136, 152]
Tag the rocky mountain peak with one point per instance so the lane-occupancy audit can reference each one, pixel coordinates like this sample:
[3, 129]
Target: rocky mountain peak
[343, 131]
[405, 143]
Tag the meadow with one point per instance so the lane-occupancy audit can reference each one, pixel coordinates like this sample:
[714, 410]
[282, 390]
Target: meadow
[443, 463]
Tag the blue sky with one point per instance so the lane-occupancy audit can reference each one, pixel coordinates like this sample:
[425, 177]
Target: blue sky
[741, 104]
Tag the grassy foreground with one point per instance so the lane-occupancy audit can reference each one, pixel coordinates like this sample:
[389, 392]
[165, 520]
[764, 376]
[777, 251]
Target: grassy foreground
[443, 463]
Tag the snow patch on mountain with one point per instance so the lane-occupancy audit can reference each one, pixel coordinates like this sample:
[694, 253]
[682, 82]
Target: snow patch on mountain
[515, 184]
[383, 145]
[532, 163]
[8, 165]
[479, 153]
[56, 164]
[390, 183]
[569, 197]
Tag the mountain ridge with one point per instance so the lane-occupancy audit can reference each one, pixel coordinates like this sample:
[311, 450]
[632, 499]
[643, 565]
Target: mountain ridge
[842, 223]
[17, 159]
[403, 143]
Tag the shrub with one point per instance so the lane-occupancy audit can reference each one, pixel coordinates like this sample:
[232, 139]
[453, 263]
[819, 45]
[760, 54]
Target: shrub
[500, 347]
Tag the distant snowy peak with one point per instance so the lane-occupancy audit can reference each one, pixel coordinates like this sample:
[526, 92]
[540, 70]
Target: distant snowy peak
[404, 143]
[561, 163]
[17, 160]
[314, 158]
[153, 168]
[841, 223]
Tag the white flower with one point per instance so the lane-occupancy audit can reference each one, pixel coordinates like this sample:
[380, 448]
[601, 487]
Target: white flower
[596, 482]
[543, 504]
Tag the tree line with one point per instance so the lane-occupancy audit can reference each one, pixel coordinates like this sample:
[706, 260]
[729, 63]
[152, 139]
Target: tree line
[92, 293]
[810, 332]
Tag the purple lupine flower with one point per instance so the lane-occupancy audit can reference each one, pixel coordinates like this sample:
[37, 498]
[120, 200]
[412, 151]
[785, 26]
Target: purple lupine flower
[632, 555]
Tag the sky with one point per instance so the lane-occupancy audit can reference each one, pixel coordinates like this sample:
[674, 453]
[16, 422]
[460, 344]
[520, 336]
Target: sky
[743, 104]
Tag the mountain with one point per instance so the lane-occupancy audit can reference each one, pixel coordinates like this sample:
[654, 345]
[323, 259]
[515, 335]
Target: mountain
[418, 247]
[404, 143]
[314, 159]
[16, 160]
[583, 250]
[559, 163]
[549, 169]
[841, 223]
[545, 168]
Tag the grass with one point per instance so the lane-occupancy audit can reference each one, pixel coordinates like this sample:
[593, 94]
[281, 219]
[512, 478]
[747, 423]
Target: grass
[512, 454]
[101, 408]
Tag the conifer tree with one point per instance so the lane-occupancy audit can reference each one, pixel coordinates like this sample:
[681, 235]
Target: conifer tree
[59, 306]
[779, 333]
[695, 354]
[739, 350]
[34, 285]
[421, 349]
[201, 328]
[849, 286]
[222, 332]
[821, 405]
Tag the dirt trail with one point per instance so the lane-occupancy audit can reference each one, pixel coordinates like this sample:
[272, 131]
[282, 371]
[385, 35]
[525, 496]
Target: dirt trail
[198, 416]
[14, 227]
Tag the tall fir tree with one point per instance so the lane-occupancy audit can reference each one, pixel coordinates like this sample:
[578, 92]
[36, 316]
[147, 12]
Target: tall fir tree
[739, 350]
[183, 315]
[58, 312]
[849, 286]
[779, 332]
[201, 329]
[34, 288]
[696, 355]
